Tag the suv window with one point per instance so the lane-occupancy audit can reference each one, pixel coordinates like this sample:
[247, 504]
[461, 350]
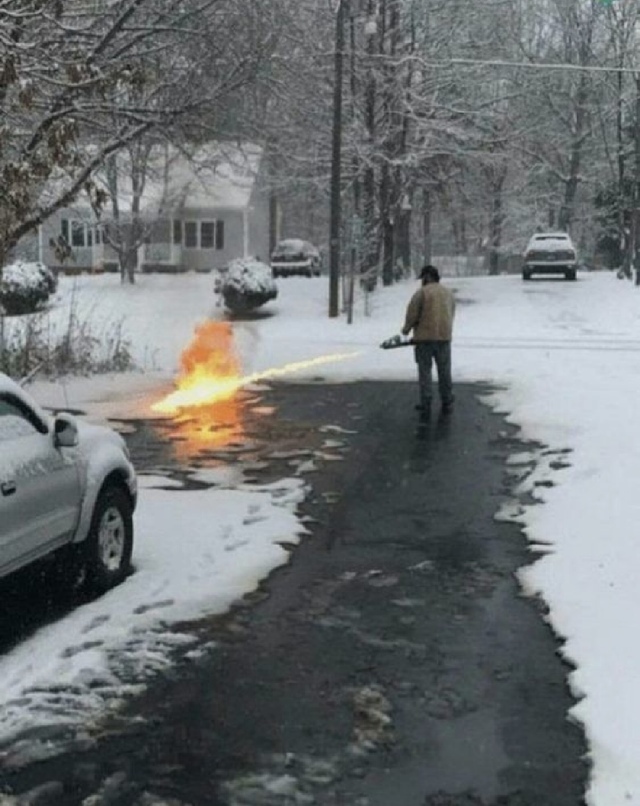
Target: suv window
[16, 421]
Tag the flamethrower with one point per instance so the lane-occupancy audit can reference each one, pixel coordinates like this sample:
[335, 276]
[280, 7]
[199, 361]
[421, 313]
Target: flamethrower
[396, 341]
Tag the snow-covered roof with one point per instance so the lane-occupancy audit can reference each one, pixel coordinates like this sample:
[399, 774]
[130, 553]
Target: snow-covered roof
[214, 176]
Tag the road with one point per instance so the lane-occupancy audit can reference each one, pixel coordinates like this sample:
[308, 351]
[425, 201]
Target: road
[393, 662]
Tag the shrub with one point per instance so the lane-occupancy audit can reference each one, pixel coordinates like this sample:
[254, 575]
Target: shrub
[26, 287]
[33, 344]
[246, 285]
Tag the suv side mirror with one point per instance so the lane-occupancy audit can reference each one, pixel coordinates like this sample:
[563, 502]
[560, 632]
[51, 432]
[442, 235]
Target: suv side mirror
[65, 431]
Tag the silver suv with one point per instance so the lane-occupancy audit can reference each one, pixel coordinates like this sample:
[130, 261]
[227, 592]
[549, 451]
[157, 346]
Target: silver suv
[67, 493]
[550, 253]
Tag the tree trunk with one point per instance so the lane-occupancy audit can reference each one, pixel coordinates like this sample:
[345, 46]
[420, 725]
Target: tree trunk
[371, 237]
[495, 226]
[565, 216]
[403, 240]
[128, 264]
[392, 141]
[636, 188]
[386, 213]
[274, 233]
[620, 216]
[426, 226]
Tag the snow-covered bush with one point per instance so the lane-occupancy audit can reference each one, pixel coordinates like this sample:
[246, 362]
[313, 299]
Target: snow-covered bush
[26, 287]
[247, 284]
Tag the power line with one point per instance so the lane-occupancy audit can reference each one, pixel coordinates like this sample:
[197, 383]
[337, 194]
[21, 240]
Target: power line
[532, 65]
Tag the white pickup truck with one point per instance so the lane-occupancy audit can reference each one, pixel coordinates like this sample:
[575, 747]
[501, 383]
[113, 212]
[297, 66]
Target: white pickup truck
[68, 491]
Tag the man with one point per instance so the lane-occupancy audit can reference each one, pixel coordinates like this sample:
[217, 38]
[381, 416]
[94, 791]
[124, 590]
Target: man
[430, 315]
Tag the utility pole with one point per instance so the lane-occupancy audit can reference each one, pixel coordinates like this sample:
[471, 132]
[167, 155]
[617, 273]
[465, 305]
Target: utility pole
[336, 166]
[635, 256]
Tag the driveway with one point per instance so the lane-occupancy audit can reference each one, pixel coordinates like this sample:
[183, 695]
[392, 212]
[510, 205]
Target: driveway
[393, 662]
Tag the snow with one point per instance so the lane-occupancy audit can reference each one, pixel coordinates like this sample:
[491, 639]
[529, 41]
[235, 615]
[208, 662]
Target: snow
[563, 360]
[12, 426]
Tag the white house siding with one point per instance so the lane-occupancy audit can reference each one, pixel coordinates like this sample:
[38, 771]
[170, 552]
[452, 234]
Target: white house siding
[197, 259]
[258, 221]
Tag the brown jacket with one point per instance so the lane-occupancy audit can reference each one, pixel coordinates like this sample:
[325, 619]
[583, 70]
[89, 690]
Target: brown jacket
[430, 313]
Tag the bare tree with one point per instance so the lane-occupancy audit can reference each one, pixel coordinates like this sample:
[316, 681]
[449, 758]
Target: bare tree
[123, 69]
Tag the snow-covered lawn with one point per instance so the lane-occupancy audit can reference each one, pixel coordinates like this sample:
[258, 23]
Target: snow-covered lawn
[566, 360]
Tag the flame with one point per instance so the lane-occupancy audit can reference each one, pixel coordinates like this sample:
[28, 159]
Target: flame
[207, 429]
[210, 371]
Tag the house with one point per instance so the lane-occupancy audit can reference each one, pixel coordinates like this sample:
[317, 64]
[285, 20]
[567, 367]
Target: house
[197, 213]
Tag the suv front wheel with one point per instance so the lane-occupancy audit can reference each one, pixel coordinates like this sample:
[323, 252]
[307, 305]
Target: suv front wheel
[110, 541]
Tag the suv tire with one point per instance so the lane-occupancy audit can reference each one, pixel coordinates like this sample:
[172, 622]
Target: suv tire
[109, 544]
[526, 275]
[571, 274]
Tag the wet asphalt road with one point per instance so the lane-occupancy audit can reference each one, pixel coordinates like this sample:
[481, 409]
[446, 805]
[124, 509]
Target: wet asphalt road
[393, 662]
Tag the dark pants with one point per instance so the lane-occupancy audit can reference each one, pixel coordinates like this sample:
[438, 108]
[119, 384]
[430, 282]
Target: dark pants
[426, 353]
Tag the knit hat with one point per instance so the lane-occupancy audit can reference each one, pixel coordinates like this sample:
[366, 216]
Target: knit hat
[430, 272]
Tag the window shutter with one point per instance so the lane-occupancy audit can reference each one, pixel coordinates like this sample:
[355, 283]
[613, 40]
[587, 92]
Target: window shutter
[219, 234]
[177, 232]
[191, 234]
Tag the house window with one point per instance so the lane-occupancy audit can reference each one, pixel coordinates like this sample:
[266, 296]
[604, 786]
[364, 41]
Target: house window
[202, 234]
[177, 232]
[78, 233]
[191, 234]
[207, 234]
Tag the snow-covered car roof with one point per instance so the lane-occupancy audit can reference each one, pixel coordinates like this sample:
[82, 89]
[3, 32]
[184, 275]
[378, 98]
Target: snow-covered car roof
[550, 240]
[292, 245]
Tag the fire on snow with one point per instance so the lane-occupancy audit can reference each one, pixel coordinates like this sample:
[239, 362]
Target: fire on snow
[210, 372]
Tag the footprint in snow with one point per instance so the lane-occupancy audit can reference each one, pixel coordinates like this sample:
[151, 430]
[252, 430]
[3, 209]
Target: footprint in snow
[98, 621]
[153, 606]
[71, 651]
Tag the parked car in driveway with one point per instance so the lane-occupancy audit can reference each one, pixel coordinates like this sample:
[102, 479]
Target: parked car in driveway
[68, 491]
[295, 257]
[550, 253]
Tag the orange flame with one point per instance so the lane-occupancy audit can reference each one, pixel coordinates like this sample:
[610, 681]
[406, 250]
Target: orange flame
[210, 354]
[210, 370]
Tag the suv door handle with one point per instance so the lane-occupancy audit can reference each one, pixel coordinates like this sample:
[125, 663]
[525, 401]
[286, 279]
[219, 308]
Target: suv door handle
[8, 487]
